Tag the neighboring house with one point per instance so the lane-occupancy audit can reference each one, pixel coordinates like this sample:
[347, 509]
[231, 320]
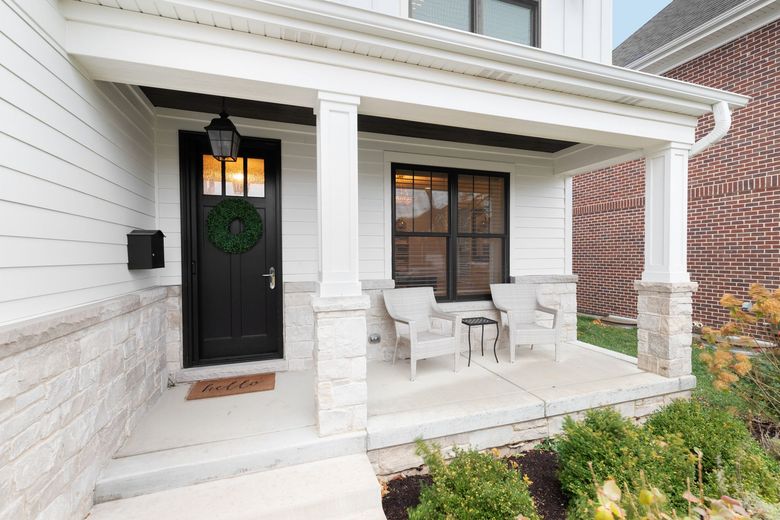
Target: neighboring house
[734, 186]
[384, 143]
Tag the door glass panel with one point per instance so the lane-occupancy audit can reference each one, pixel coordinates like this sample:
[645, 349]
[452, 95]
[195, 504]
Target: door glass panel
[255, 178]
[479, 264]
[507, 21]
[212, 176]
[421, 262]
[452, 13]
[234, 178]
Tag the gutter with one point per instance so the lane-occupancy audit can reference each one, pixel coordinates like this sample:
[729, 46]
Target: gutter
[722, 115]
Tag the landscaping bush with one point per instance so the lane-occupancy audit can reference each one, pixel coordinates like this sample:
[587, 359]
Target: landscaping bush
[473, 486]
[606, 446]
[732, 461]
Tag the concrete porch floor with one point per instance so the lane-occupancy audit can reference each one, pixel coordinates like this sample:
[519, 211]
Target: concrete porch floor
[441, 402]
[180, 443]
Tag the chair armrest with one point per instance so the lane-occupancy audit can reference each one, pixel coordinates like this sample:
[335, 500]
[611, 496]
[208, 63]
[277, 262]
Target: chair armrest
[556, 313]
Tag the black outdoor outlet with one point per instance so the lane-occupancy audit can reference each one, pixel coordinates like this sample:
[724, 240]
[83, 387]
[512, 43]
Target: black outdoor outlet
[145, 249]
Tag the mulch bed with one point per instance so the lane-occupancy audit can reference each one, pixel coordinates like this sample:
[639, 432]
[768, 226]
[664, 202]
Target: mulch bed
[540, 466]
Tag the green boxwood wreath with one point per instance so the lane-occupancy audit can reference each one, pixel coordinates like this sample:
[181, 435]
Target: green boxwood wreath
[218, 226]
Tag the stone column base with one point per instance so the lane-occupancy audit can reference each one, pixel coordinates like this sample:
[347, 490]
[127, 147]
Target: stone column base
[340, 338]
[664, 327]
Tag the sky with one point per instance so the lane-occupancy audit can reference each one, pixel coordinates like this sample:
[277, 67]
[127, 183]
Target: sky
[630, 15]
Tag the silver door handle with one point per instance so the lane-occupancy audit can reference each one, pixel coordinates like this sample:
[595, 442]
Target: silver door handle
[272, 275]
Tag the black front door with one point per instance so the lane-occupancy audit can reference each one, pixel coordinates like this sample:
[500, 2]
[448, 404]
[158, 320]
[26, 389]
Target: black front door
[232, 301]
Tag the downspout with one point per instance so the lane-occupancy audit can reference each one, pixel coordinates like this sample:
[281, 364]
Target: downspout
[722, 115]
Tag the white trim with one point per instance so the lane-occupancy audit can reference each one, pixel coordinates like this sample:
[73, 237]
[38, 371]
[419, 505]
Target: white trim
[390, 157]
[728, 26]
[568, 229]
[471, 53]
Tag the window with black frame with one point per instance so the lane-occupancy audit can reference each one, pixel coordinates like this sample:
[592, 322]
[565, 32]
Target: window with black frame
[449, 230]
[512, 20]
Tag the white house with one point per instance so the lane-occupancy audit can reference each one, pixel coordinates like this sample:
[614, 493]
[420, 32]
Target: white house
[384, 142]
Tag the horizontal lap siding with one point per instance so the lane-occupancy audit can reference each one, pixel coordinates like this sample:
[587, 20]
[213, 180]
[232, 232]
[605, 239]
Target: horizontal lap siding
[538, 223]
[76, 170]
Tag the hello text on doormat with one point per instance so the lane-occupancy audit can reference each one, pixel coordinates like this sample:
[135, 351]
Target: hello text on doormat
[231, 386]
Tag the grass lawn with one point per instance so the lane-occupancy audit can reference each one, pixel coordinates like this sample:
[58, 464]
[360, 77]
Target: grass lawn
[624, 341]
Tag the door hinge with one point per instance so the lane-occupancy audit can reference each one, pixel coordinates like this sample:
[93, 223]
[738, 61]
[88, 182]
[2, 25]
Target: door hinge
[194, 268]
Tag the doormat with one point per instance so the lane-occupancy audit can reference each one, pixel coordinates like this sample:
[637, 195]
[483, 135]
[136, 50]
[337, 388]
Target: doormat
[231, 386]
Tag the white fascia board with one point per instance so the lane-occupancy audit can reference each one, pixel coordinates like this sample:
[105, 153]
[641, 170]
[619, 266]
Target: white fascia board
[750, 15]
[584, 158]
[463, 43]
[154, 51]
[529, 64]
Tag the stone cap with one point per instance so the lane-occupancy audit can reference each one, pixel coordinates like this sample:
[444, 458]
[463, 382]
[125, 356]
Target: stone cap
[340, 303]
[666, 287]
[545, 278]
[18, 336]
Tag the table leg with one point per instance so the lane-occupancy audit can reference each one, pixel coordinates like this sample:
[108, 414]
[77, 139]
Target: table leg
[495, 342]
[482, 342]
[469, 346]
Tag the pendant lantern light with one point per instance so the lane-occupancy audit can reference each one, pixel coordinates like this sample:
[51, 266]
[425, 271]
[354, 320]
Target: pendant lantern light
[224, 137]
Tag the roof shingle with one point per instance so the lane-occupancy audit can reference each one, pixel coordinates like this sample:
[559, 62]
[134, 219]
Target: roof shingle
[673, 21]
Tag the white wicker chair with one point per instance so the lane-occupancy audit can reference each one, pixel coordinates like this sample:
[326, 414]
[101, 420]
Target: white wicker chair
[413, 310]
[518, 305]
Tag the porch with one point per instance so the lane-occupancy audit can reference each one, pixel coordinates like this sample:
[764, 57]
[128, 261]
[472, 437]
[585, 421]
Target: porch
[488, 404]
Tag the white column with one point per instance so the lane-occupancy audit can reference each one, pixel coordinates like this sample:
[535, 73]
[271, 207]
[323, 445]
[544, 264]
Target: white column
[666, 214]
[337, 194]
[664, 307]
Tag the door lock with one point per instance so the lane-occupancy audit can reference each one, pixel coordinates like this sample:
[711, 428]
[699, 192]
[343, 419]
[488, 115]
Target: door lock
[272, 275]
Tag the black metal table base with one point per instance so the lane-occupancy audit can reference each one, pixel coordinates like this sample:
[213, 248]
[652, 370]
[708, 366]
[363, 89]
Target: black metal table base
[482, 321]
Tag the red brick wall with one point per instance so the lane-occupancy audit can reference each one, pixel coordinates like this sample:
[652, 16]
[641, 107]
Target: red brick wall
[734, 195]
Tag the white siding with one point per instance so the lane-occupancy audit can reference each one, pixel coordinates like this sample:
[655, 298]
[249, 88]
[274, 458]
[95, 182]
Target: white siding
[537, 198]
[76, 173]
[579, 28]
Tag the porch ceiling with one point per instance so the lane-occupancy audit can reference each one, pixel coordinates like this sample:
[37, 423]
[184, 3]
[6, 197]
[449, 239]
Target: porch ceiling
[381, 125]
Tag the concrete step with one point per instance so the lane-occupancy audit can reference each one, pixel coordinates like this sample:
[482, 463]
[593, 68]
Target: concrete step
[337, 488]
[161, 470]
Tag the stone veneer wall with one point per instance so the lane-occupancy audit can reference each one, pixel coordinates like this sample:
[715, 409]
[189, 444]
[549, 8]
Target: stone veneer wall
[511, 438]
[72, 387]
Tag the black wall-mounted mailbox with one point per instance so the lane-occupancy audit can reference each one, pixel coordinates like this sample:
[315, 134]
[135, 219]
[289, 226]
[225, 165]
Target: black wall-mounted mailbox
[145, 249]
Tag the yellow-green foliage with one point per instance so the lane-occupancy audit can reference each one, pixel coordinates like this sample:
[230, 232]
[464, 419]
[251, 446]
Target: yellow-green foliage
[474, 486]
[606, 446]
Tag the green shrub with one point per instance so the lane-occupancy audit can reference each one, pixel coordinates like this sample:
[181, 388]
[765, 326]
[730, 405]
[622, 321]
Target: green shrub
[615, 448]
[474, 486]
[733, 462]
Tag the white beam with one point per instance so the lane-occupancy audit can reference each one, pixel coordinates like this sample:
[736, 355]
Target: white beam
[584, 158]
[666, 214]
[337, 194]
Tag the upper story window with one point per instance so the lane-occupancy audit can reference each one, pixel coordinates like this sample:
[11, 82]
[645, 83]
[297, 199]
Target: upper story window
[513, 20]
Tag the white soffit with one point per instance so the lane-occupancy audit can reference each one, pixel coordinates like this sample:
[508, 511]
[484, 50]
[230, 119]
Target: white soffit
[357, 31]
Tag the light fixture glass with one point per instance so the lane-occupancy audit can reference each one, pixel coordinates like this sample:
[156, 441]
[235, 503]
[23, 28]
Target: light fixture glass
[224, 137]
